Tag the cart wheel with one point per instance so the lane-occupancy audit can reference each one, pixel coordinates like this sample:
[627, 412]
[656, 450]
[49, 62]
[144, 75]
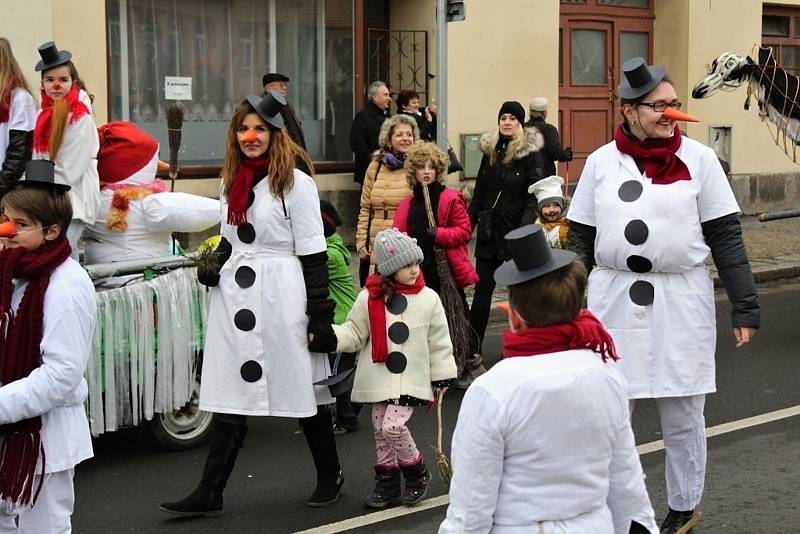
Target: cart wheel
[186, 428]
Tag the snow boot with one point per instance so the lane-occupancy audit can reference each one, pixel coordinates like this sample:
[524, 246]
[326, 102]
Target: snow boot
[387, 487]
[680, 522]
[206, 499]
[318, 431]
[417, 479]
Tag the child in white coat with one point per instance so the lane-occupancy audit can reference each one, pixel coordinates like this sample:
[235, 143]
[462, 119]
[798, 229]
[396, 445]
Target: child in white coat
[543, 441]
[47, 315]
[406, 359]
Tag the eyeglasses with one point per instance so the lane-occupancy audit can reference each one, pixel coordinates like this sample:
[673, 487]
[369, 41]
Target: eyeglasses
[660, 107]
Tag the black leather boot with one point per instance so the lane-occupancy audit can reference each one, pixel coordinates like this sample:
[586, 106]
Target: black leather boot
[206, 499]
[387, 487]
[680, 522]
[318, 431]
[417, 480]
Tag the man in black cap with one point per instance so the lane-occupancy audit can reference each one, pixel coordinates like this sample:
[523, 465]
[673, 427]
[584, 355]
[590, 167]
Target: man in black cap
[275, 81]
[551, 418]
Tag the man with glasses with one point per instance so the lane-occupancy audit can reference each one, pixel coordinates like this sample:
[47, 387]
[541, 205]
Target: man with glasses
[275, 81]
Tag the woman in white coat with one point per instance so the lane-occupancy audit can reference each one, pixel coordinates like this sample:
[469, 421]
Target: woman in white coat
[267, 300]
[648, 209]
[66, 134]
[17, 119]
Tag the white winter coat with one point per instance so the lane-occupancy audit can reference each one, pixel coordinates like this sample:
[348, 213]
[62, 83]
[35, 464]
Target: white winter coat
[76, 165]
[667, 347]
[428, 349]
[544, 444]
[265, 367]
[56, 389]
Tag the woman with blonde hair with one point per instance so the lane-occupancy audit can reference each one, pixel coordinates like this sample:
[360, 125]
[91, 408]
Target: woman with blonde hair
[17, 119]
[65, 133]
[385, 185]
[269, 298]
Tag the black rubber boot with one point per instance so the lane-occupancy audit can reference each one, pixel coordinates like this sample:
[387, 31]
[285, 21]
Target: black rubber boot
[417, 480]
[206, 499]
[318, 431]
[678, 522]
[387, 488]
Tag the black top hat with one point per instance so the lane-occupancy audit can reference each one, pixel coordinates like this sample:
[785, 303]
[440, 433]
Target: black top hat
[41, 172]
[274, 77]
[531, 256]
[640, 78]
[51, 56]
[269, 107]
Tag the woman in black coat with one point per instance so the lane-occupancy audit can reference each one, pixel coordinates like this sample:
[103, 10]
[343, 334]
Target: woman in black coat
[512, 161]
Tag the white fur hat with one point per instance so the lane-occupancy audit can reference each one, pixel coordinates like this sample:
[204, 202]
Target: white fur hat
[548, 190]
[538, 104]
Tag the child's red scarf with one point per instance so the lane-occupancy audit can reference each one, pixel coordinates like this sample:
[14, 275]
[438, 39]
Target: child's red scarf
[585, 332]
[20, 354]
[44, 122]
[247, 171]
[376, 309]
[661, 163]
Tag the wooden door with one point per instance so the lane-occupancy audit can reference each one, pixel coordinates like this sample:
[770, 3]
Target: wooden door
[595, 38]
[586, 99]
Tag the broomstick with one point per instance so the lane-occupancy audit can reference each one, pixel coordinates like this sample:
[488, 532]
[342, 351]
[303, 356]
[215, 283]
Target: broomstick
[461, 333]
[174, 124]
[442, 461]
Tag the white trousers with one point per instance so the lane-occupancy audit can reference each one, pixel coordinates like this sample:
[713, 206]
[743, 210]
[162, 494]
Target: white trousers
[50, 515]
[683, 427]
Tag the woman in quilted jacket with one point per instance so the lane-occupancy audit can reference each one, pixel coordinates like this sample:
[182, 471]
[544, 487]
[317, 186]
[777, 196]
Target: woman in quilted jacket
[385, 184]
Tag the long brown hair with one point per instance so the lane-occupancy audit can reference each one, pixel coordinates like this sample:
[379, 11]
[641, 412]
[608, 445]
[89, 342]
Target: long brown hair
[11, 75]
[282, 151]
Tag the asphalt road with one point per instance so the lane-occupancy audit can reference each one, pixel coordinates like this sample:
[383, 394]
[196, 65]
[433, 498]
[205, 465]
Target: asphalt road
[752, 481]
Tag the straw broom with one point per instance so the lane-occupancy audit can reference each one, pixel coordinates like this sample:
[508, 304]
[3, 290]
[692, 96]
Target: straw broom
[442, 461]
[174, 124]
[462, 334]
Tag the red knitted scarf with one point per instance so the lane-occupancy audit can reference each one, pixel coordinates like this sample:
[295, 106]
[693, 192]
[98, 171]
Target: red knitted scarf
[376, 309]
[246, 173]
[585, 332]
[5, 99]
[661, 164]
[20, 354]
[44, 122]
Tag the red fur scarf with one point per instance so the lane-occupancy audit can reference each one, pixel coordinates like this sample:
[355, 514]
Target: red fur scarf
[44, 122]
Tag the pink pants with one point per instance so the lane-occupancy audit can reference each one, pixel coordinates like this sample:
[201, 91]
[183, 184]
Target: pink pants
[393, 441]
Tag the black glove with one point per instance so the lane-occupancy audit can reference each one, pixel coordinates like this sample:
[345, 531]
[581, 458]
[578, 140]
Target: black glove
[429, 237]
[568, 150]
[208, 272]
[320, 317]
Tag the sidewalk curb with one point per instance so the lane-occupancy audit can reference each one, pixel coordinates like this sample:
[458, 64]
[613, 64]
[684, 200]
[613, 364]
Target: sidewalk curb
[781, 271]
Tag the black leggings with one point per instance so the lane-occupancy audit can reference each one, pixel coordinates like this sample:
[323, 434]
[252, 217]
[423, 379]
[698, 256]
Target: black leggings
[482, 299]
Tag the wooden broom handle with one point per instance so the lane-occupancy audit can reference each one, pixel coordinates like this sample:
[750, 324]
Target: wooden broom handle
[428, 209]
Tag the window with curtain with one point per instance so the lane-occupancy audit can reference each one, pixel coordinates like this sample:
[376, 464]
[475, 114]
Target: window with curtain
[225, 47]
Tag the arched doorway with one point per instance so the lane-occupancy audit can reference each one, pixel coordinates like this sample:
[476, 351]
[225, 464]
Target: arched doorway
[595, 38]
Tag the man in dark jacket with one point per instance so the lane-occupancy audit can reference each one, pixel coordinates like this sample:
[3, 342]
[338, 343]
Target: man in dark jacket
[552, 145]
[275, 81]
[366, 126]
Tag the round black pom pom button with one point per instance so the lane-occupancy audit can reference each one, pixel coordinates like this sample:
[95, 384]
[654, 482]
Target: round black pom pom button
[397, 362]
[630, 191]
[397, 304]
[246, 233]
[245, 276]
[642, 293]
[636, 232]
[398, 333]
[251, 371]
[639, 264]
[244, 320]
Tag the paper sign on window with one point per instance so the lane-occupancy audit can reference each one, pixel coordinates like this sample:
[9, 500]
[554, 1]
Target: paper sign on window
[177, 87]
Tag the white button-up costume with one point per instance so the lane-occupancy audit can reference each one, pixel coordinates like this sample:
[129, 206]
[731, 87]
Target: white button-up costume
[256, 359]
[651, 287]
[56, 391]
[652, 290]
[544, 444]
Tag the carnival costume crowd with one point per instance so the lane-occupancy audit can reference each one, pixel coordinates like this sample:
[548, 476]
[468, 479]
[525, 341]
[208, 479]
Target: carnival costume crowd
[548, 426]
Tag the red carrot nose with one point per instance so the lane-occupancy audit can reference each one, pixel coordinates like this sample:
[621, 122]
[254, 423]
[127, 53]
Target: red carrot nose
[8, 229]
[56, 85]
[675, 115]
[503, 307]
[249, 136]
